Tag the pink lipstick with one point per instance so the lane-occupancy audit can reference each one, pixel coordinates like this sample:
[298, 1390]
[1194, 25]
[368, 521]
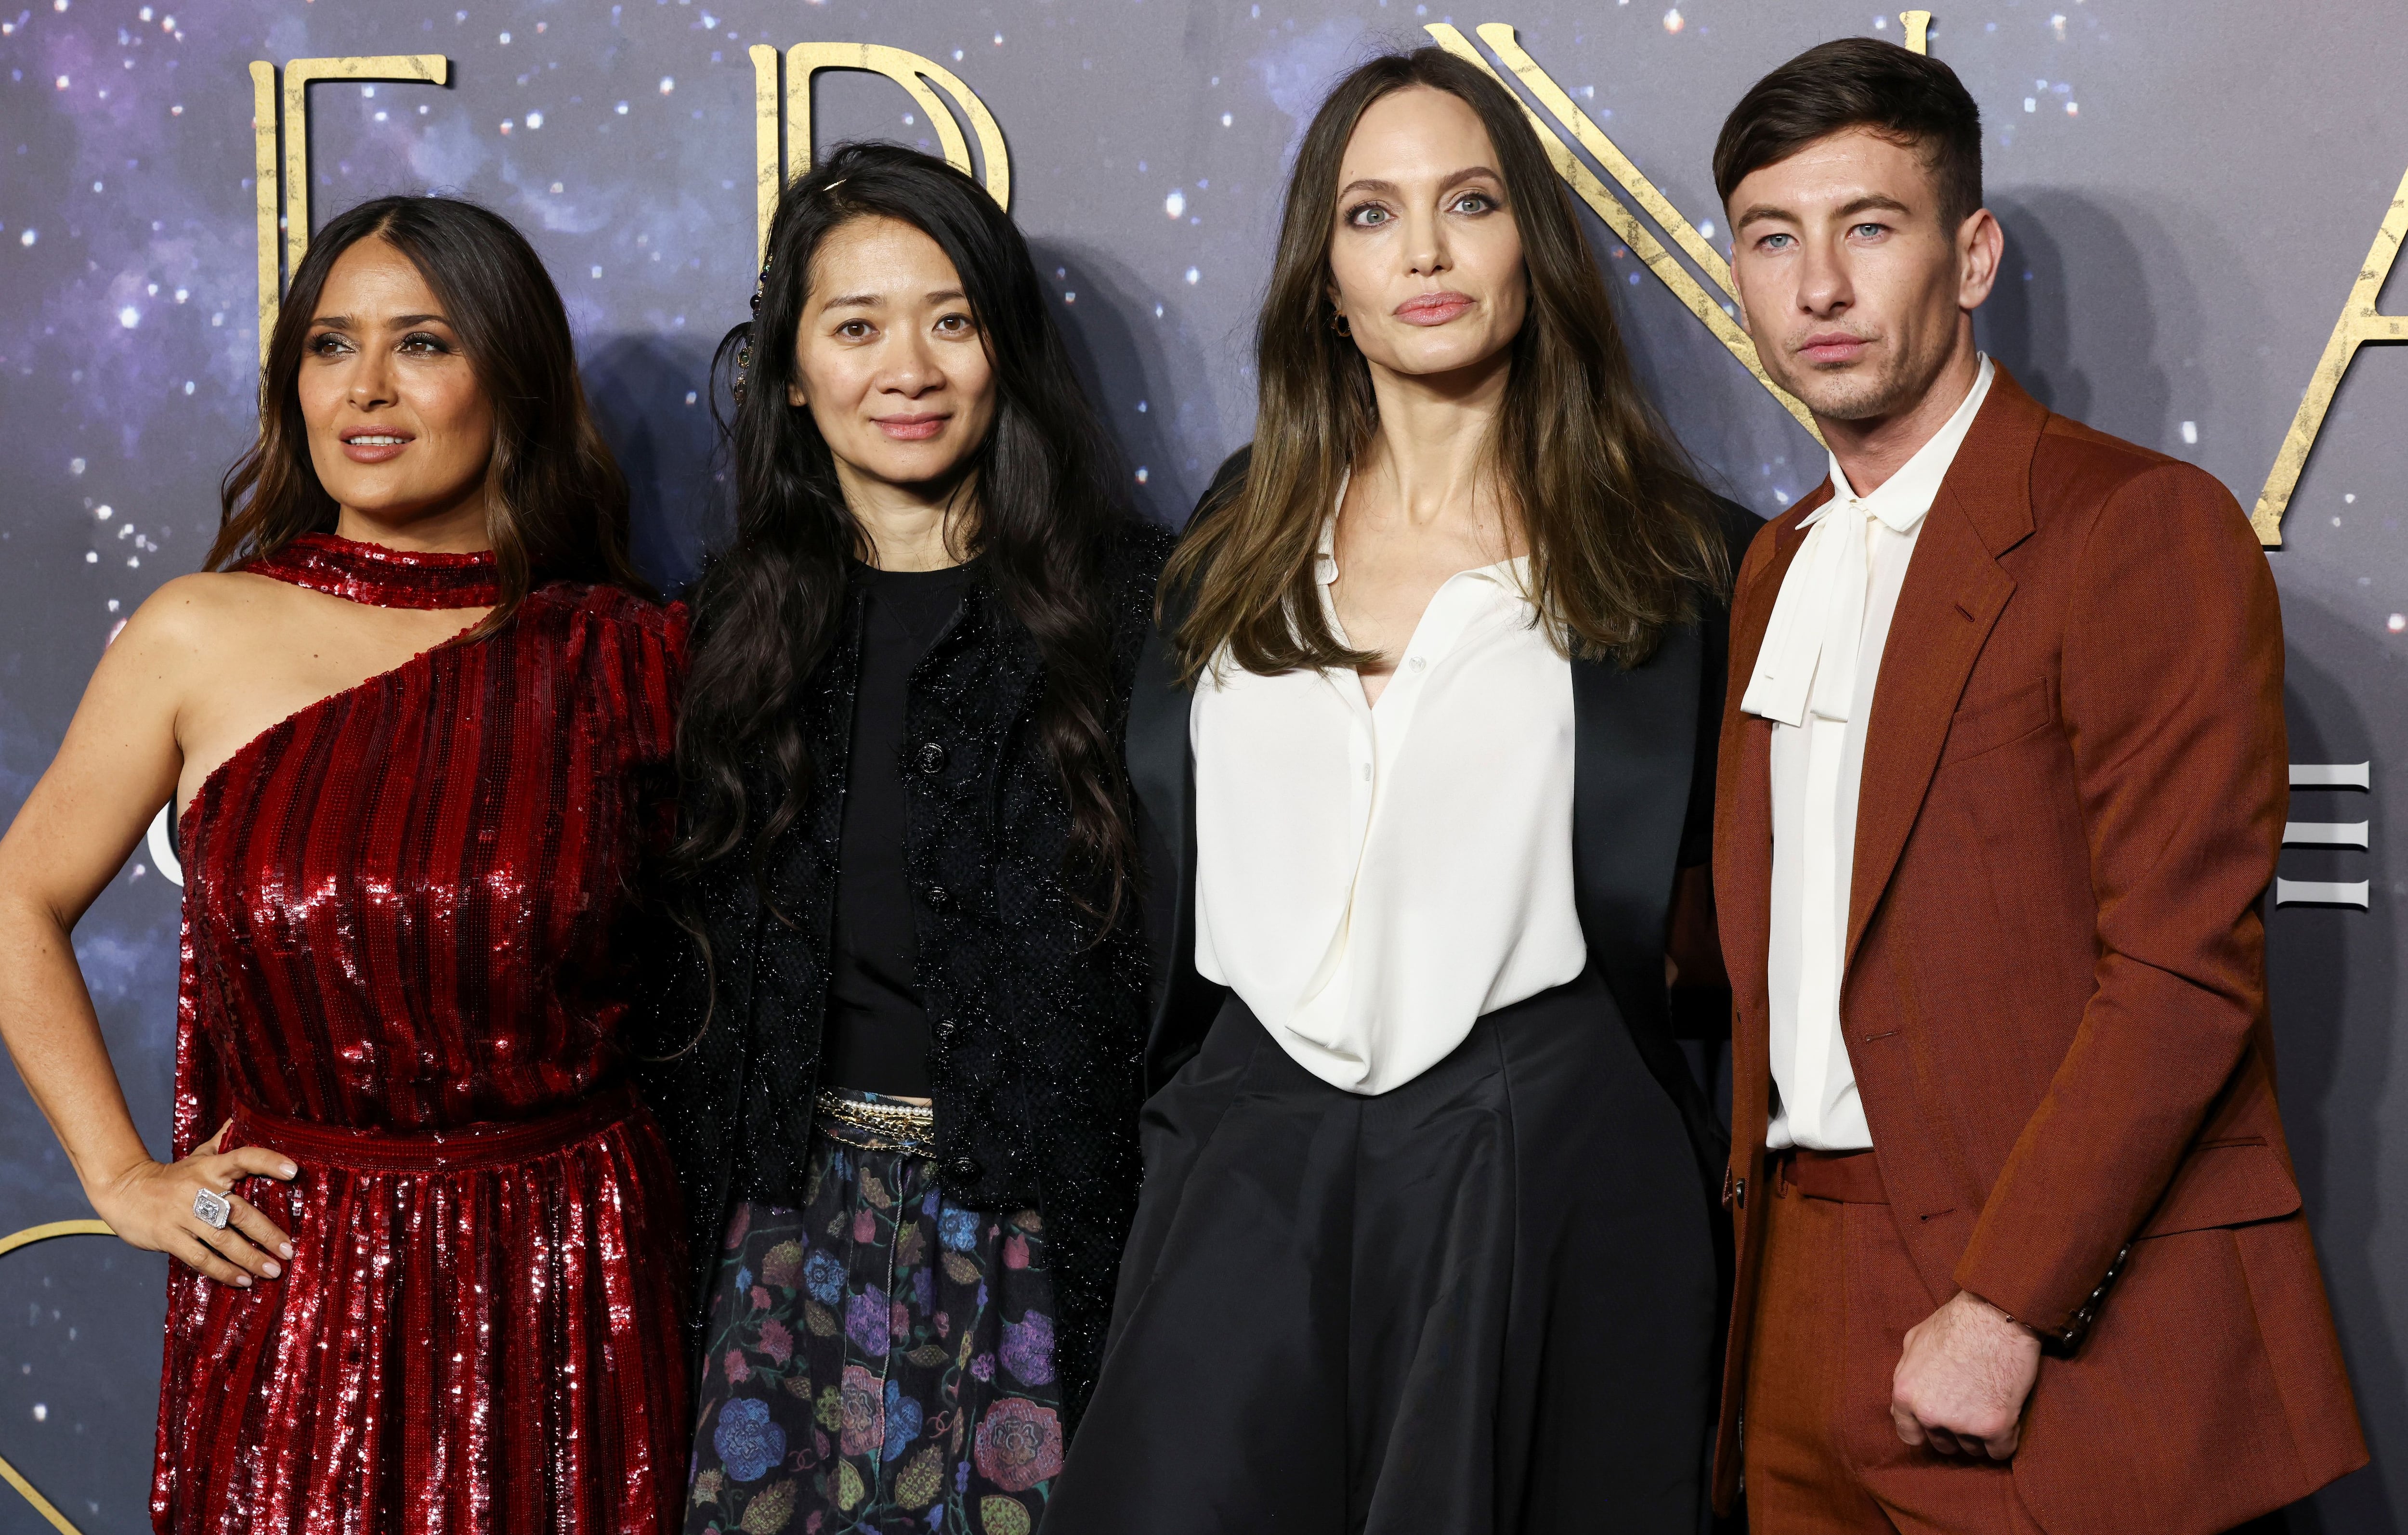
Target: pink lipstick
[911, 428]
[1433, 308]
[374, 444]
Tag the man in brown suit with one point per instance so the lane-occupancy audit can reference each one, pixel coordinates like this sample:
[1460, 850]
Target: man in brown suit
[2002, 782]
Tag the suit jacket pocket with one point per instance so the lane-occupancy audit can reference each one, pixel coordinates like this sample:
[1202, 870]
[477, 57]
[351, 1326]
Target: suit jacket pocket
[1996, 722]
[2225, 1183]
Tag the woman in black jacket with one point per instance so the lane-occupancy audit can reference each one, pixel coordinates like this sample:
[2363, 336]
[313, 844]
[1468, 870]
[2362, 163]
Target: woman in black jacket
[1427, 734]
[900, 1068]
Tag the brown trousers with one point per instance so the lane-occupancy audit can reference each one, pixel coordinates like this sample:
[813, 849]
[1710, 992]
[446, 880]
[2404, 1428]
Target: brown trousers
[1837, 1294]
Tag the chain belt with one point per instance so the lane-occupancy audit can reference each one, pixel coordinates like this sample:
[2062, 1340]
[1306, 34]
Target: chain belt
[875, 1123]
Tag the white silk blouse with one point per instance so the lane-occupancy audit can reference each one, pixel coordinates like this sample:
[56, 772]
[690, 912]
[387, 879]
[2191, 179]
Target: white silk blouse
[1371, 880]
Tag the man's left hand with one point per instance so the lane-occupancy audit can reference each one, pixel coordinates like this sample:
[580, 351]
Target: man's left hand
[1960, 1384]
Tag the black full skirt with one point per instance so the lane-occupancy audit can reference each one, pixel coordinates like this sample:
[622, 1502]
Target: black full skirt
[1484, 1303]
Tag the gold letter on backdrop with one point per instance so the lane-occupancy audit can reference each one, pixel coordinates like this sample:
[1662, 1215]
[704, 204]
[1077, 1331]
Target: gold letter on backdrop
[294, 117]
[26, 1238]
[908, 70]
[2359, 323]
[1918, 30]
[1712, 312]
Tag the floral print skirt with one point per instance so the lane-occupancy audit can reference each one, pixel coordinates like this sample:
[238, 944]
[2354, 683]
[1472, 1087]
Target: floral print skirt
[880, 1360]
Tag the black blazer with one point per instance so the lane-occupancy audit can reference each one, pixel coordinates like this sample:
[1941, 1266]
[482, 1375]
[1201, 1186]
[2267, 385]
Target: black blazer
[1038, 1022]
[1643, 810]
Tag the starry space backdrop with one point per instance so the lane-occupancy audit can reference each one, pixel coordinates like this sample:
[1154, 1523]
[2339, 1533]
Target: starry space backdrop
[2188, 189]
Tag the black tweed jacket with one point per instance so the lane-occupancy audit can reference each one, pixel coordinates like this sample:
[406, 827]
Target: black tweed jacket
[1039, 1023]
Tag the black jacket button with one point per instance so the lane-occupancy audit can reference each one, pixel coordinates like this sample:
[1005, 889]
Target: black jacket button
[939, 897]
[931, 758]
[964, 1169]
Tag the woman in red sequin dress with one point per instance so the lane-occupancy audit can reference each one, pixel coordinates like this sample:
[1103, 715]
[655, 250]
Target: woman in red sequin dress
[417, 718]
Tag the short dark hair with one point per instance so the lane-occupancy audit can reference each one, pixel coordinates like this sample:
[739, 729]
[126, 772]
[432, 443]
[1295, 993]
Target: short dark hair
[1859, 82]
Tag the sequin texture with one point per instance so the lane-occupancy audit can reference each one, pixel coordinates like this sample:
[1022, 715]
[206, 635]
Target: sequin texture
[404, 915]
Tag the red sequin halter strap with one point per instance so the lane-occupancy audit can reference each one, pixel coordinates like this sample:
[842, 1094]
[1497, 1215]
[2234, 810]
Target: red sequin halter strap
[381, 577]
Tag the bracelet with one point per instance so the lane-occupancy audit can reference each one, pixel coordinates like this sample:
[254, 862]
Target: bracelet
[2077, 1326]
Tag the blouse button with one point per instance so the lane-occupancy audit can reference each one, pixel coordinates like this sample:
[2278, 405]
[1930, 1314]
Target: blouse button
[931, 758]
[1419, 663]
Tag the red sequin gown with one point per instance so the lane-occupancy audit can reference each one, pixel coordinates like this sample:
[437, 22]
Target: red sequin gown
[401, 968]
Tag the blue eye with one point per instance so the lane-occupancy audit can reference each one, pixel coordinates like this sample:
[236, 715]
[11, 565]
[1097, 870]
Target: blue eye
[1367, 216]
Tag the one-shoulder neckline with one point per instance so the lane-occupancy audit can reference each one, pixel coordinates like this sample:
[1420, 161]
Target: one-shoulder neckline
[188, 815]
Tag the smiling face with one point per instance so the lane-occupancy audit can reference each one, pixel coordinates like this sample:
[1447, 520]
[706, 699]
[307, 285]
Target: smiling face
[1857, 294]
[889, 361]
[401, 430]
[1426, 263]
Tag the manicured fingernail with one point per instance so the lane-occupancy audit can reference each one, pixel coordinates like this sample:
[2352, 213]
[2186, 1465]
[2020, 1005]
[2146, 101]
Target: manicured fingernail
[290, 1169]
[243, 1281]
[285, 1248]
[270, 1269]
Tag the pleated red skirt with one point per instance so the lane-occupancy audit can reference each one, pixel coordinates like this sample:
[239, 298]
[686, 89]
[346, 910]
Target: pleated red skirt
[461, 1343]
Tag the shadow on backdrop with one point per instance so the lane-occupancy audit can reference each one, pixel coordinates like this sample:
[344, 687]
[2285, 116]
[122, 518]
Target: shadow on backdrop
[2095, 298]
[650, 395]
[1118, 358]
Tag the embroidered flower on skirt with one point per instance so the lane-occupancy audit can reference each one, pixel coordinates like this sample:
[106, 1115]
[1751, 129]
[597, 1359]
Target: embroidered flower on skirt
[880, 1360]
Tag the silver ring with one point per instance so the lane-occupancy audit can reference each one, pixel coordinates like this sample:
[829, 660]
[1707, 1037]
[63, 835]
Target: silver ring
[212, 1209]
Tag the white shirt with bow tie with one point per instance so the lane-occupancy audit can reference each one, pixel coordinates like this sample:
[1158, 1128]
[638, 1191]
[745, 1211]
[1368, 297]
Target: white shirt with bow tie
[1814, 680]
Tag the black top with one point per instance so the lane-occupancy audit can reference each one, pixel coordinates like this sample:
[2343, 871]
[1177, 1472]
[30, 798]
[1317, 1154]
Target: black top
[876, 1039]
[1037, 1023]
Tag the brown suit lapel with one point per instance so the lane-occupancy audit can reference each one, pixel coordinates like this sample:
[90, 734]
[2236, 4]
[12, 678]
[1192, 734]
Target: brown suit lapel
[1953, 594]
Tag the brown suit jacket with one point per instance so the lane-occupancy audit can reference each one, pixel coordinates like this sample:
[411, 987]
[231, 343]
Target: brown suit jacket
[2055, 994]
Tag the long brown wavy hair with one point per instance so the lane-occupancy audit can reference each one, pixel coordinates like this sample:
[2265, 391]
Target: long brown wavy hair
[1622, 538]
[556, 502]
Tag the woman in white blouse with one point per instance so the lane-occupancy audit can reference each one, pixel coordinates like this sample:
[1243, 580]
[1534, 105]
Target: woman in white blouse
[1426, 1241]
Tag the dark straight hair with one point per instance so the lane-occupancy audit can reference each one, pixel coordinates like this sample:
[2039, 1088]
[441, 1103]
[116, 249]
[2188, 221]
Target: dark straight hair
[556, 502]
[1858, 82]
[1044, 511]
[1622, 538]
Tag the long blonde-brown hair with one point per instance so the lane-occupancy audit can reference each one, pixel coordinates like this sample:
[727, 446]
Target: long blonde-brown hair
[1622, 538]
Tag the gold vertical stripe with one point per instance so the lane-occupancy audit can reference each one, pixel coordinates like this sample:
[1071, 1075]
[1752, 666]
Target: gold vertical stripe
[2359, 322]
[264, 186]
[768, 181]
[1627, 228]
[1918, 30]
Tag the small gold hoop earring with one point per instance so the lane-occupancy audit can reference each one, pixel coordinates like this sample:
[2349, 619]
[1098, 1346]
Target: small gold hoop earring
[1338, 323]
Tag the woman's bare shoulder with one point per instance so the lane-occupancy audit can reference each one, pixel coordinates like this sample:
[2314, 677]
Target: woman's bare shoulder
[197, 607]
[209, 615]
